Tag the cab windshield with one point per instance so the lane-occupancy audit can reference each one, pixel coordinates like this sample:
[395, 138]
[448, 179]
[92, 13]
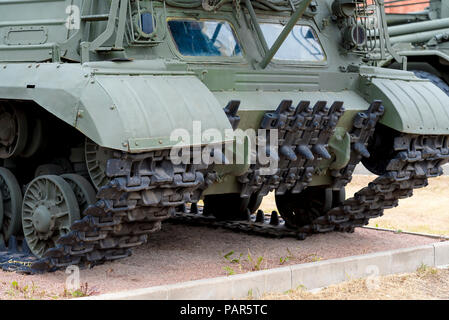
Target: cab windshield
[204, 38]
[302, 43]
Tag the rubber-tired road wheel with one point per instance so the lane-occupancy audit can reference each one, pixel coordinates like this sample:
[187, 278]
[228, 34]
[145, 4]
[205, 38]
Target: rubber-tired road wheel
[12, 204]
[84, 192]
[302, 209]
[49, 209]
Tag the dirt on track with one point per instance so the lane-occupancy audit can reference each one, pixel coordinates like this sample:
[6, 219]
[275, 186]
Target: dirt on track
[182, 253]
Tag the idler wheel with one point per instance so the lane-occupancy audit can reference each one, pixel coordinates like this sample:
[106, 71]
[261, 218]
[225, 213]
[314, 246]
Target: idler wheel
[302, 209]
[13, 131]
[49, 209]
[84, 192]
[381, 149]
[11, 195]
[96, 161]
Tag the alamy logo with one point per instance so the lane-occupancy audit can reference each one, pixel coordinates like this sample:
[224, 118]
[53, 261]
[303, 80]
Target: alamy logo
[241, 147]
[73, 20]
[72, 282]
[372, 281]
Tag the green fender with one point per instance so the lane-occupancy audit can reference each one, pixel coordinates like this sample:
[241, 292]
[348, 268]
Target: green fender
[130, 109]
[412, 105]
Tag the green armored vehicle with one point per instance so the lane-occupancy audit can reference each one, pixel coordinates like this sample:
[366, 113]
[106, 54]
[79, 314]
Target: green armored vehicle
[116, 115]
[422, 37]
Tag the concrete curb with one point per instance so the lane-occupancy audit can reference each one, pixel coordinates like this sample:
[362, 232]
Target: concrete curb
[427, 235]
[309, 275]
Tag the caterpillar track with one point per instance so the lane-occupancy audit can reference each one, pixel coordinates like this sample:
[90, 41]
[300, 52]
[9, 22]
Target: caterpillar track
[17, 256]
[303, 133]
[146, 189]
[415, 159]
[143, 191]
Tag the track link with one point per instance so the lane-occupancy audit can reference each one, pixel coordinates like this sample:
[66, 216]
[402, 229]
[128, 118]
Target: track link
[303, 133]
[146, 189]
[416, 159]
[143, 191]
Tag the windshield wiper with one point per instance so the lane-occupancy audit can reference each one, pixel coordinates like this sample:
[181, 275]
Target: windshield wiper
[300, 10]
[269, 53]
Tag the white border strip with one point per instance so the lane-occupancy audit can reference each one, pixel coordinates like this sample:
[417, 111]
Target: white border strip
[309, 275]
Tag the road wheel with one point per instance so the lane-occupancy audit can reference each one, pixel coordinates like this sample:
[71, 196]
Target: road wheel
[11, 203]
[84, 192]
[226, 206]
[49, 209]
[302, 209]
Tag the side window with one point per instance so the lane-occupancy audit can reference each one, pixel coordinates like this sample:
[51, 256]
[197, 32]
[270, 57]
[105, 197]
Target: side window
[302, 43]
[204, 38]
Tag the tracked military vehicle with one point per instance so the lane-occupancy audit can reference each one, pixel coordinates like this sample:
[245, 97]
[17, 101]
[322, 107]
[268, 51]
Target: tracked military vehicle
[99, 98]
[421, 37]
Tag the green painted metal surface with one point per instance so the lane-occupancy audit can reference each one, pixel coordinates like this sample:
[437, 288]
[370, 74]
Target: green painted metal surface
[124, 112]
[129, 90]
[411, 105]
[422, 37]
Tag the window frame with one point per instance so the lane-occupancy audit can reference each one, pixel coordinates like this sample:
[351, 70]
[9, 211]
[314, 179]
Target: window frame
[281, 62]
[206, 59]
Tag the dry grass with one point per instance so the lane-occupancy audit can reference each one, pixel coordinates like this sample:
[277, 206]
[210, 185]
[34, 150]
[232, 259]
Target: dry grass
[425, 284]
[26, 290]
[427, 211]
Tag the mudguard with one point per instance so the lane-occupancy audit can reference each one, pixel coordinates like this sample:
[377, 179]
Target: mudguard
[129, 110]
[412, 105]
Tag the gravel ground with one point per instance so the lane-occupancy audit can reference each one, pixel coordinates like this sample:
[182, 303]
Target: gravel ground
[181, 253]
